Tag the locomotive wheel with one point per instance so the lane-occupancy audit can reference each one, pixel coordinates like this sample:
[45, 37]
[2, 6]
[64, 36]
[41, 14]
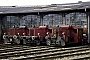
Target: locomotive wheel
[48, 42]
[58, 43]
[37, 42]
[62, 43]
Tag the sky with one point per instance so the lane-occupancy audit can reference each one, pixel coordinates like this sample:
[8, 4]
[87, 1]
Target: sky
[36, 2]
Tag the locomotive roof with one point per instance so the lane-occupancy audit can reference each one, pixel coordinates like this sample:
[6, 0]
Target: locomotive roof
[42, 26]
[67, 26]
[22, 26]
[44, 8]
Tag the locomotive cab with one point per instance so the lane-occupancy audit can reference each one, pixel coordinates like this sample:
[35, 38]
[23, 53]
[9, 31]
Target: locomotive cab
[72, 34]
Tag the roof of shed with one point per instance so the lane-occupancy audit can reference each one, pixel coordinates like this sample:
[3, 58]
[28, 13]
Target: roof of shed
[43, 8]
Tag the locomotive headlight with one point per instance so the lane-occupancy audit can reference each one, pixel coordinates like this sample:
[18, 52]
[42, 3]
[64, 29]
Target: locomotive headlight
[23, 33]
[47, 32]
[4, 33]
[63, 33]
[38, 33]
[84, 34]
[18, 33]
[10, 39]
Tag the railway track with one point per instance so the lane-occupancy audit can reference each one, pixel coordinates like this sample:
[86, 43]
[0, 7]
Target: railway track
[17, 52]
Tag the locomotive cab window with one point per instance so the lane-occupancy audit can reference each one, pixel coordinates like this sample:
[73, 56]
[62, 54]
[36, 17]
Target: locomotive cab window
[74, 31]
[50, 30]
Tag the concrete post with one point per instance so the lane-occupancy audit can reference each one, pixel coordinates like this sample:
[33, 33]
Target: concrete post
[88, 18]
[20, 19]
[63, 19]
[41, 20]
[0, 30]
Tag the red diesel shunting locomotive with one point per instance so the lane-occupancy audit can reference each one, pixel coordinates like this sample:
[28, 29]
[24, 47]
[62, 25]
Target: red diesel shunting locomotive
[43, 34]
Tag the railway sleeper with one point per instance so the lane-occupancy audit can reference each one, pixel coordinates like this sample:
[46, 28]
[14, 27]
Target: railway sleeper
[38, 51]
[62, 56]
[46, 54]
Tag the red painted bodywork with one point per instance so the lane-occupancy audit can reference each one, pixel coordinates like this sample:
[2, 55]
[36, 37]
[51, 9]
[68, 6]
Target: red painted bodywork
[71, 31]
[15, 31]
[42, 30]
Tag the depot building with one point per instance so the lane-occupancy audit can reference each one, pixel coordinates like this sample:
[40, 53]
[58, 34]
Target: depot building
[75, 14]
